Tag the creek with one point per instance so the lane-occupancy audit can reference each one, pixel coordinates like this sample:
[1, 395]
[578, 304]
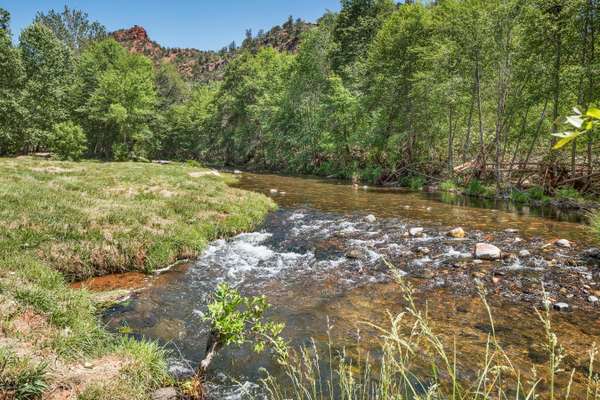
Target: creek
[320, 262]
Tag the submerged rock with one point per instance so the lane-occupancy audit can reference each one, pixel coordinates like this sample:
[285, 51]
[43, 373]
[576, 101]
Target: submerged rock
[457, 233]
[592, 253]
[561, 306]
[486, 251]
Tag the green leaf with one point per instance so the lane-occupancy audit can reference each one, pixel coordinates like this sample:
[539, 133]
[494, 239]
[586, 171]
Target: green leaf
[566, 139]
[593, 112]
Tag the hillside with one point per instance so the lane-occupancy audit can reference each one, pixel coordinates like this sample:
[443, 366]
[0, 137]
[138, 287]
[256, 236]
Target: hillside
[206, 65]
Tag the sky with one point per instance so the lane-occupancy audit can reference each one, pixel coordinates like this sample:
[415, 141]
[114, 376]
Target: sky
[201, 24]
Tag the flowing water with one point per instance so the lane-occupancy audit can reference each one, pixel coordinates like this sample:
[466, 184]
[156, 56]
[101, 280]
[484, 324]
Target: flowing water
[321, 264]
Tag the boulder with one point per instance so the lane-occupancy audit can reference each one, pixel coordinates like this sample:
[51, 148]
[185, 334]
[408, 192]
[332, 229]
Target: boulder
[564, 243]
[593, 299]
[168, 393]
[457, 233]
[370, 218]
[593, 252]
[486, 251]
[524, 253]
[417, 231]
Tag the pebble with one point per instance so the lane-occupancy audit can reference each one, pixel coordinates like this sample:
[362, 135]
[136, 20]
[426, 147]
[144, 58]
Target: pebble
[524, 253]
[457, 233]
[486, 251]
[423, 250]
[415, 231]
[370, 218]
[561, 306]
[425, 274]
[592, 299]
[354, 254]
[564, 243]
[88, 365]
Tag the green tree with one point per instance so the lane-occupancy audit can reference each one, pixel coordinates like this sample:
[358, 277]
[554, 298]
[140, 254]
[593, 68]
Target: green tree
[116, 100]
[12, 74]
[48, 68]
[72, 27]
[355, 27]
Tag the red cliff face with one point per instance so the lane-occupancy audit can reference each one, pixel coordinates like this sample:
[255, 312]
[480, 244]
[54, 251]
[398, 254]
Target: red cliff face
[201, 65]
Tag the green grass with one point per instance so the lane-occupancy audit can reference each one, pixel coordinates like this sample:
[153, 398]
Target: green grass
[63, 221]
[20, 378]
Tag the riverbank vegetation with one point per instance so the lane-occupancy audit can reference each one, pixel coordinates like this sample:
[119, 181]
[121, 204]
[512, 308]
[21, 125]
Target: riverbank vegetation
[378, 92]
[61, 221]
[416, 361]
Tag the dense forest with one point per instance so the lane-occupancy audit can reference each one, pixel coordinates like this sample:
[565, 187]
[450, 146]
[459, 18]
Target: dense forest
[377, 92]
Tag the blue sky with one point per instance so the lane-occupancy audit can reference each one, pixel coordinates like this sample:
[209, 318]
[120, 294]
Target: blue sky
[202, 24]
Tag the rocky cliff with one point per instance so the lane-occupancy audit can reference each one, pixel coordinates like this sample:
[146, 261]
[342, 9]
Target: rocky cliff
[201, 65]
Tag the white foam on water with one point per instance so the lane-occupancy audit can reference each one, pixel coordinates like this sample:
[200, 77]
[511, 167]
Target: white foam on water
[296, 216]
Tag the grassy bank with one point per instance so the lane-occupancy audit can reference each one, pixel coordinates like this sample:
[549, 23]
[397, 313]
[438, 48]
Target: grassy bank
[62, 221]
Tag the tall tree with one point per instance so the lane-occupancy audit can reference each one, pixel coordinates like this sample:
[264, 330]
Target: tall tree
[72, 27]
[48, 67]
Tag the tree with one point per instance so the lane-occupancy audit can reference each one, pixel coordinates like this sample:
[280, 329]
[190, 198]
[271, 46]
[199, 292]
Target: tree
[72, 27]
[4, 20]
[12, 74]
[49, 69]
[356, 25]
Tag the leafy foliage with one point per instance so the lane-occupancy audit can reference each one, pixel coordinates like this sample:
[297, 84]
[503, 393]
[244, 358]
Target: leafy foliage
[68, 141]
[238, 319]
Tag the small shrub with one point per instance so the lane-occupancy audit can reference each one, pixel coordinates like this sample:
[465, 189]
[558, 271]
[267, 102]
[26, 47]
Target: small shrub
[475, 188]
[536, 193]
[120, 152]
[568, 193]
[519, 197]
[413, 182]
[371, 174]
[448, 186]
[193, 163]
[68, 141]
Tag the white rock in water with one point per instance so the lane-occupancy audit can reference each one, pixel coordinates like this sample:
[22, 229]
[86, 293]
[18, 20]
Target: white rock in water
[511, 230]
[415, 231]
[524, 253]
[370, 218]
[457, 233]
[273, 190]
[486, 251]
[237, 171]
[561, 306]
[563, 243]
[592, 299]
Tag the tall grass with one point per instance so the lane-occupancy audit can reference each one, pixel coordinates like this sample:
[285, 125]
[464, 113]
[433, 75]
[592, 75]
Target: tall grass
[413, 362]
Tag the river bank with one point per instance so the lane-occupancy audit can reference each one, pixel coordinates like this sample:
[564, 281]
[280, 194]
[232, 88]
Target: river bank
[64, 221]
